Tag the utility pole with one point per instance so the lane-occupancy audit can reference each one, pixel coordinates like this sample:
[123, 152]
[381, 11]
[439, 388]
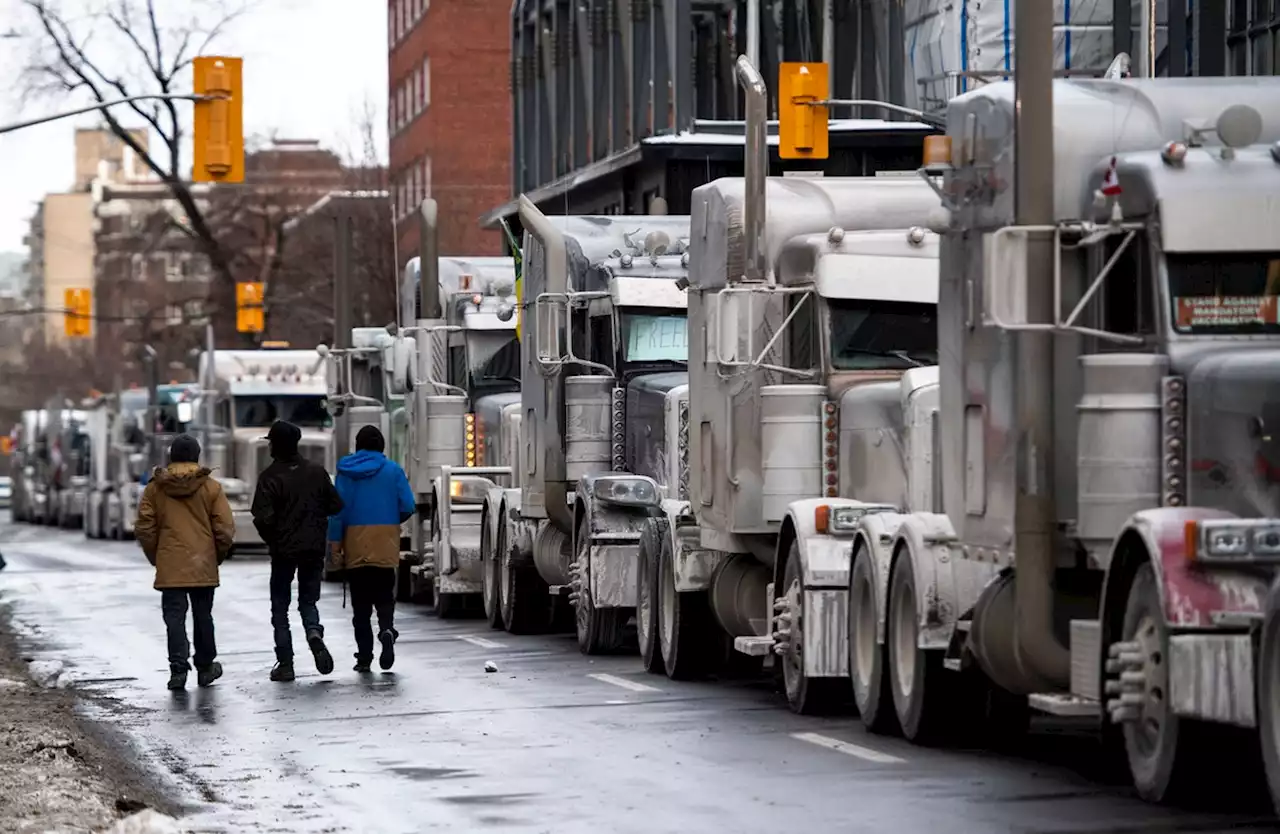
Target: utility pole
[1034, 509]
[341, 310]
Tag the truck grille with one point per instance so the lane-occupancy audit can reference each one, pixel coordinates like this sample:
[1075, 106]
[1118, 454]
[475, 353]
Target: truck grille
[682, 444]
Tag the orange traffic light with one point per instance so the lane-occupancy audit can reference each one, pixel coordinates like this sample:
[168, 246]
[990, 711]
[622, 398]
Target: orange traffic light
[802, 125]
[218, 123]
[77, 320]
[6, 445]
[249, 315]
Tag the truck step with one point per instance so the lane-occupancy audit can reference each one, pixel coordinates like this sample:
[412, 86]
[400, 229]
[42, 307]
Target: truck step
[1066, 706]
[753, 646]
[951, 664]
[559, 590]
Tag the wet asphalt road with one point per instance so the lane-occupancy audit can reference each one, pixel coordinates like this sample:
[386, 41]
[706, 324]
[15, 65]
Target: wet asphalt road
[553, 741]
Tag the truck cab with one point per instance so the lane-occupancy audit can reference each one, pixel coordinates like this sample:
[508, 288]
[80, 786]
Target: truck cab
[243, 393]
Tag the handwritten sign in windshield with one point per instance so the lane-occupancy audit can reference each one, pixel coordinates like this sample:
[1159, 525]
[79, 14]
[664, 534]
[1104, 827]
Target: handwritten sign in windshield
[657, 339]
[1225, 310]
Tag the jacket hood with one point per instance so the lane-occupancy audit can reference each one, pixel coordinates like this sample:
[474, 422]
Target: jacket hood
[179, 480]
[361, 465]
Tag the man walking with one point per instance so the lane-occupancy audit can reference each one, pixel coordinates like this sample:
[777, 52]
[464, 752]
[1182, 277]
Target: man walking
[376, 500]
[291, 509]
[185, 528]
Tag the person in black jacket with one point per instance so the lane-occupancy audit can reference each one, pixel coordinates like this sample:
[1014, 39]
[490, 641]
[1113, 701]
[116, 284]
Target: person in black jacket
[291, 509]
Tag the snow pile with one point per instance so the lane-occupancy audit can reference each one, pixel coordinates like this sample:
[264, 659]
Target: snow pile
[145, 822]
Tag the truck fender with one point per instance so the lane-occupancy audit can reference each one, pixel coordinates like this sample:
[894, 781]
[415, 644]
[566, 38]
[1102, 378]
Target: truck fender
[606, 519]
[875, 535]
[927, 540]
[1191, 597]
[519, 529]
[613, 536]
[825, 559]
[693, 565]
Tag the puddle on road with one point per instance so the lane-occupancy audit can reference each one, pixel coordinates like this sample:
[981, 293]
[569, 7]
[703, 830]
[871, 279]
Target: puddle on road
[424, 774]
[488, 798]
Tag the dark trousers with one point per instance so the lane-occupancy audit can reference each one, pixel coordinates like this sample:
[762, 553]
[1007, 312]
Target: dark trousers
[310, 571]
[173, 605]
[372, 589]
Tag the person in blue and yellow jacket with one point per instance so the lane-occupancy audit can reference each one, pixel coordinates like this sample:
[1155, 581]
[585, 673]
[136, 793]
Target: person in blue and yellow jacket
[365, 540]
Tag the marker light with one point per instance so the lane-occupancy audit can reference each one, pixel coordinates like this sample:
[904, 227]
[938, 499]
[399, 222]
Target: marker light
[937, 152]
[1173, 153]
[477, 299]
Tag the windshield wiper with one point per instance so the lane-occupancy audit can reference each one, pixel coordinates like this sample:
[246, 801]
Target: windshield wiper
[905, 356]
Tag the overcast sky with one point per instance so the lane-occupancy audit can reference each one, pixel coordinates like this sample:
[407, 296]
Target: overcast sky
[310, 67]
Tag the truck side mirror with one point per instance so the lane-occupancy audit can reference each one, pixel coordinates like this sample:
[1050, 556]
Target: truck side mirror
[725, 317]
[547, 311]
[1004, 278]
[403, 356]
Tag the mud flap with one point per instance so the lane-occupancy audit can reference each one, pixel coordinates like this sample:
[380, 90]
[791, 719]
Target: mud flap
[826, 636]
[614, 569]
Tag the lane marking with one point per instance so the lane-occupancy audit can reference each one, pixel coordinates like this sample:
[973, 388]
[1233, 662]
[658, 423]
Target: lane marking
[482, 642]
[848, 749]
[623, 682]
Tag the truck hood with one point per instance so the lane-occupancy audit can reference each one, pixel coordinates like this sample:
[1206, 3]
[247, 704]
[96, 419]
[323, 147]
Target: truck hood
[1233, 406]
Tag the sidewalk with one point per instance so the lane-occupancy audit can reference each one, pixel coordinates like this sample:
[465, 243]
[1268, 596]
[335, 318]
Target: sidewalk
[61, 774]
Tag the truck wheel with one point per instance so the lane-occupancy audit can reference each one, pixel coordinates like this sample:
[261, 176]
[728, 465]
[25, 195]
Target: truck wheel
[1163, 750]
[600, 630]
[867, 656]
[805, 695]
[524, 597]
[491, 575]
[686, 630]
[919, 694]
[656, 531]
[1268, 675]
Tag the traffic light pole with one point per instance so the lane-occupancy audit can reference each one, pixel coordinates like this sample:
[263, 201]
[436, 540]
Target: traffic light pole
[102, 105]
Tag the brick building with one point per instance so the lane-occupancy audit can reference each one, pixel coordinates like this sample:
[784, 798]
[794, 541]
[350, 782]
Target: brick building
[449, 117]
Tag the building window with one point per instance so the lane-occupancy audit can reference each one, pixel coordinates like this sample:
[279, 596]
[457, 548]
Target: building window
[426, 83]
[425, 167]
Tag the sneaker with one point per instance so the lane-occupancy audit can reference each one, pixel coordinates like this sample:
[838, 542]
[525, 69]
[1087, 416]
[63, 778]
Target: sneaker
[388, 656]
[283, 672]
[363, 666]
[178, 680]
[205, 676]
[324, 660]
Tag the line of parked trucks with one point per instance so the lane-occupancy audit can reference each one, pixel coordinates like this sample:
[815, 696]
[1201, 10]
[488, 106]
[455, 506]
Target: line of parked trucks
[790, 429]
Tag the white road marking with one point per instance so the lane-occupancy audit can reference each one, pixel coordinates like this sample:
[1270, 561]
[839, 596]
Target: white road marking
[624, 683]
[848, 748]
[482, 642]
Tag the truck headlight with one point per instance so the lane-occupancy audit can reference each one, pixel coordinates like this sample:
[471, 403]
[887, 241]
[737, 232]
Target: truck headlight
[1266, 540]
[469, 489]
[631, 490]
[1226, 541]
[845, 519]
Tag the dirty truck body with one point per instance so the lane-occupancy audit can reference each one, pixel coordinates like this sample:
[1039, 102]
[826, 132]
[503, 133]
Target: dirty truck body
[604, 350]
[128, 437]
[243, 393]
[464, 361]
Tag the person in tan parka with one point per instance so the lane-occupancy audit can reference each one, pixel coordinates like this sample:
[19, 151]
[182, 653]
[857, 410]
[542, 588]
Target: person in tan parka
[186, 531]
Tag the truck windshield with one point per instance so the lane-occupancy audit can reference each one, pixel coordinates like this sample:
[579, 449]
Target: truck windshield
[882, 335]
[304, 411]
[655, 338]
[1224, 292]
[494, 355]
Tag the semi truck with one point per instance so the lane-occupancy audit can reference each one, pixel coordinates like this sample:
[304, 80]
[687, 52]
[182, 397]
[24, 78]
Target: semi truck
[129, 437]
[242, 393]
[814, 304]
[601, 320]
[466, 376]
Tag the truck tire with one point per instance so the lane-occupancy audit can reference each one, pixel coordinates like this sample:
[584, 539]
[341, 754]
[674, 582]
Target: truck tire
[1164, 751]
[916, 675]
[687, 631]
[600, 630]
[868, 658]
[805, 695]
[492, 575]
[655, 532]
[524, 596]
[404, 582]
